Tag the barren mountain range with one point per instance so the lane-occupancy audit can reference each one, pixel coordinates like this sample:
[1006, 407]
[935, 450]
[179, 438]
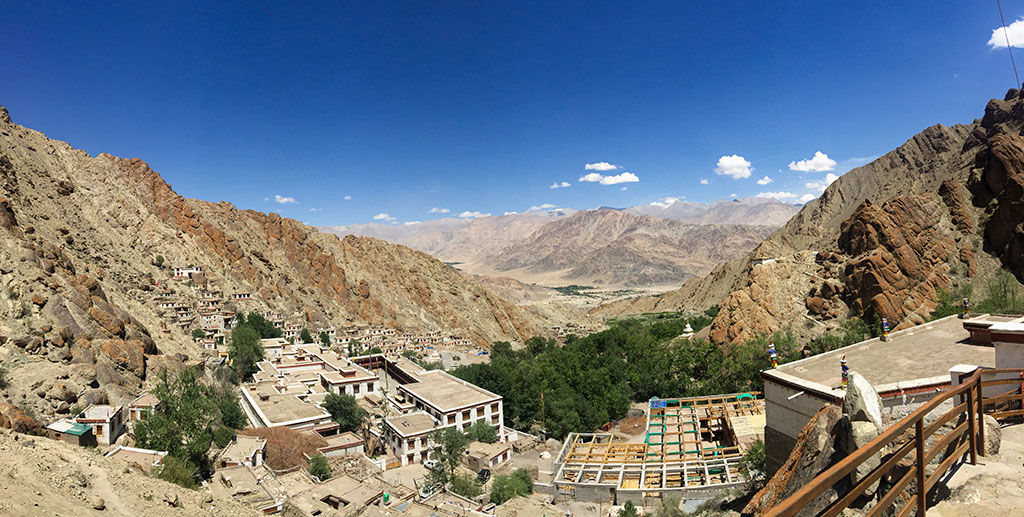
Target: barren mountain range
[86, 239]
[649, 245]
[944, 208]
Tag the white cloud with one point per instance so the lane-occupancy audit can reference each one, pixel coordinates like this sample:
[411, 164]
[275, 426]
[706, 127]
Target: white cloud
[383, 216]
[545, 206]
[625, 177]
[704, 181]
[819, 163]
[266, 199]
[807, 198]
[346, 198]
[284, 200]
[467, 214]
[732, 195]
[764, 181]
[511, 213]
[820, 186]
[777, 195]
[666, 201]
[1014, 32]
[411, 223]
[600, 166]
[563, 184]
[314, 209]
[623, 188]
[438, 210]
[734, 166]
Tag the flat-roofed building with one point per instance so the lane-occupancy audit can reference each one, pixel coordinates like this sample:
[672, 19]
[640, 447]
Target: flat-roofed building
[243, 450]
[268, 404]
[453, 401]
[911, 367]
[142, 406]
[409, 436]
[481, 455]
[71, 432]
[144, 459]
[107, 422]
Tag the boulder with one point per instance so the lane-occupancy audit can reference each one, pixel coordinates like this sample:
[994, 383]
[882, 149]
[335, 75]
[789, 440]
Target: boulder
[129, 355]
[817, 448]
[12, 417]
[862, 403]
[860, 433]
[993, 436]
[97, 503]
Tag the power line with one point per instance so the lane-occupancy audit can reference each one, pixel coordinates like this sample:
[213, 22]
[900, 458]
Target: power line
[1008, 47]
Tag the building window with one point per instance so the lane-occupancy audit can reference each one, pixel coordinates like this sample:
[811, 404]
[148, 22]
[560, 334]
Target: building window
[369, 387]
[99, 430]
[423, 442]
[494, 420]
[412, 443]
[494, 407]
[465, 416]
[355, 389]
[451, 419]
[479, 412]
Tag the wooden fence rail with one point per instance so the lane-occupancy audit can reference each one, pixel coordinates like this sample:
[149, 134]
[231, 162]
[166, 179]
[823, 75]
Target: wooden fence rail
[968, 437]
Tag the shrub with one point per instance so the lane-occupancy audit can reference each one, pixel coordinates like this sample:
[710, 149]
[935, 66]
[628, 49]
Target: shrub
[345, 411]
[509, 486]
[481, 431]
[319, 468]
[223, 436]
[466, 486]
[753, 464]
[198, 333]
[178, 472]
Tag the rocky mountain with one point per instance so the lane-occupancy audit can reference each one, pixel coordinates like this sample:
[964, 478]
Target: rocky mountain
[631, 251]
[87, 240]
[745, 210]
[944, 208]
[611, 247]
[456, 240]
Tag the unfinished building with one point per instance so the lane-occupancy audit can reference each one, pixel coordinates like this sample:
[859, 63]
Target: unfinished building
[691, 449]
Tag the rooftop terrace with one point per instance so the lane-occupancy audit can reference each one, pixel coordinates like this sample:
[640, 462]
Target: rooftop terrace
[448, 393]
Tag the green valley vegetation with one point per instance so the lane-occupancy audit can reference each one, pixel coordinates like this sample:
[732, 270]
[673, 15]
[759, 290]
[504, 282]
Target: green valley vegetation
[509, 486]
[575, 290]
[305, 336]
[592, 380]
[190, 415]
[1004, 297]
[245, 350]
[345, 411]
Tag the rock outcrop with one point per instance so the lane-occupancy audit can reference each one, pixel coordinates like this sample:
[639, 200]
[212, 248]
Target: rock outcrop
[943, 209]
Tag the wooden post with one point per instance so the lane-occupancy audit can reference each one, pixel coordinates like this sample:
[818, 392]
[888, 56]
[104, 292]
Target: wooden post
[971, 427]
[981, 416]
[921, 492]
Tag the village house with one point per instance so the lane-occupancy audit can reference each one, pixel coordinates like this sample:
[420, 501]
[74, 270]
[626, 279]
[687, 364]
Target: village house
[481, 455]
[409, 436]
[142, 406]
[71, 432]
[243, 450]
[107, 422]
[187, 272]
[144, 459]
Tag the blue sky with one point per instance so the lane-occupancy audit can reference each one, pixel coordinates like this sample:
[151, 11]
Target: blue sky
[483, 106]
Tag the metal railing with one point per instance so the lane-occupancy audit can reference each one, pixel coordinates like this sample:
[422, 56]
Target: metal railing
[969, 411]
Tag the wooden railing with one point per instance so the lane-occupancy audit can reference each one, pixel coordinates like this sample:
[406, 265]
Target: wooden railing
[969, 411]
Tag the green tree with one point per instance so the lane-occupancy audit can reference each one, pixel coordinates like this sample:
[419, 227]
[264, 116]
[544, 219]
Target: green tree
[466, 486]
[198, 333]
[628, 510]
[451, 445]
[754, 465]
[481, 431]
[231, 414]
[178, 472]
[509, 486]
[264, 328]
[223, 436]
[245, 351]
[181, 423]
[344, 410]
[375, 350]
[158, 261]
[305, 336]
[319, 468]
[325, 339]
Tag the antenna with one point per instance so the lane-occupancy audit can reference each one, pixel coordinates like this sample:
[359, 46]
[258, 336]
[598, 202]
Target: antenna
[1008, 46]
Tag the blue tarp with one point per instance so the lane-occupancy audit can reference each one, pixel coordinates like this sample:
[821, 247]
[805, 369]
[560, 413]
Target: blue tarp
[655, 404]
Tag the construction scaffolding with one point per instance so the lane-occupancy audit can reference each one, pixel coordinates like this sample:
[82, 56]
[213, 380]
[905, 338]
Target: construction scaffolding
[691, 445]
